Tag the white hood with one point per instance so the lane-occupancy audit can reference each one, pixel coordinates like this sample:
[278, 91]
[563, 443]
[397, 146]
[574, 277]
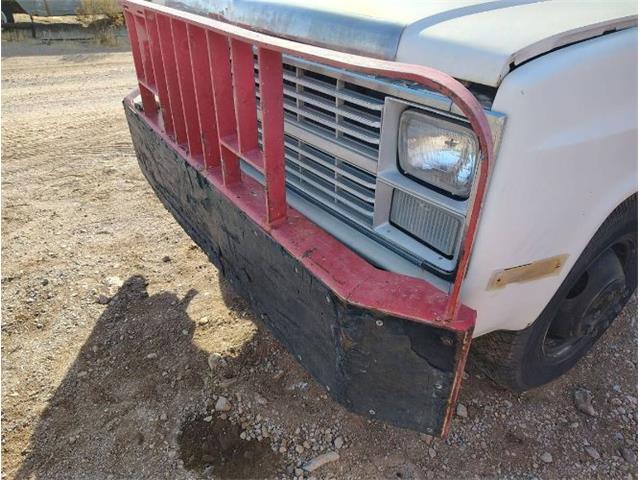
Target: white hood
[471, 40]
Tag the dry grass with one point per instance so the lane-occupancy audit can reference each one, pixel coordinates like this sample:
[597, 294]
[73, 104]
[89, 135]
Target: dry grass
[103, 18]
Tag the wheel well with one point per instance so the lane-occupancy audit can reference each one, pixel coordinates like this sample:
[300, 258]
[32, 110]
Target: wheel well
[627, 207]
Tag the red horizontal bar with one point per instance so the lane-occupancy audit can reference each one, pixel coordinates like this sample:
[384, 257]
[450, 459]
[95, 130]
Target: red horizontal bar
[149, 87]
[252, 157]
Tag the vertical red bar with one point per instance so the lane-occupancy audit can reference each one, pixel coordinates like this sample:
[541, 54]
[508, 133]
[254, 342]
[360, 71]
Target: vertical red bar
[148, 99]
[204, 95]
[244, 95]
[145, 53]
[171, 74]
[158, 70]
[187, 92]
[223, 98]
[135, 45]
[271, 98]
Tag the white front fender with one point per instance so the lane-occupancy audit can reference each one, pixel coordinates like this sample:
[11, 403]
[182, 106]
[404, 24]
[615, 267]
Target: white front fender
[567, 159]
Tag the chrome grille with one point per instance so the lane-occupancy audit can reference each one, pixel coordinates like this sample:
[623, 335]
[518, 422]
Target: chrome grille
[337, 112]
[325, 179]
[332, 107]
[339, 157]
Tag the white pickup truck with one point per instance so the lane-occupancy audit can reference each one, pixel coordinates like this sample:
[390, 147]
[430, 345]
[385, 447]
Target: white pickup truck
[384, 181]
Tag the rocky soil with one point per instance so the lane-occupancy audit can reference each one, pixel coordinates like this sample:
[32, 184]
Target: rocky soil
[124, 355]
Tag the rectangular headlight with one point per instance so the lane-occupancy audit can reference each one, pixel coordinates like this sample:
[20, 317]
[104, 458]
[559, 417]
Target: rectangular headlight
[429, 223]
[438, 152]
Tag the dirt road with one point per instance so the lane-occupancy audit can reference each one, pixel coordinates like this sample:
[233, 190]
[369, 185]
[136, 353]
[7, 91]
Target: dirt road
[110, 315]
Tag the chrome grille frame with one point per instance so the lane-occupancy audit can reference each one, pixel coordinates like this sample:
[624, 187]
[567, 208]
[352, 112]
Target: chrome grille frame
[324, 131]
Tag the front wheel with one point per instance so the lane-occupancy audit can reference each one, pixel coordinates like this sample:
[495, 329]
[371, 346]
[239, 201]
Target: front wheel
[588, 301]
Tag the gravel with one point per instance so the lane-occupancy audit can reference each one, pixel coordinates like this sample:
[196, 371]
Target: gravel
[592, 452]
[321, 460]
[546, 457]
[222, 405]
[583, 399]
[628, 455]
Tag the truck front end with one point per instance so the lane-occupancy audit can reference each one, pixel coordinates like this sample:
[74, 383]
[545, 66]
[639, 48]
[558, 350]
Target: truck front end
[338, 193]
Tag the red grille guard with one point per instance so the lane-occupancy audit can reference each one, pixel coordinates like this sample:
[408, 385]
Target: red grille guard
[196, 82]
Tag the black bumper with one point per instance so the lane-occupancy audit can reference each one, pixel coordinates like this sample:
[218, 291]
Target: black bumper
[396, 370]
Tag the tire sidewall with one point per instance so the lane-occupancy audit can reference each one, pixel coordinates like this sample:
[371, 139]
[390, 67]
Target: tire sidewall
[538, 368]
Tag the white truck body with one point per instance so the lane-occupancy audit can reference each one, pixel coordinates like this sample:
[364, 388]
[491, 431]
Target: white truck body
[563, 73]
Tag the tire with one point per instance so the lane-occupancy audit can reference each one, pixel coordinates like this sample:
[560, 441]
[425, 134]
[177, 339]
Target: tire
[587, 302]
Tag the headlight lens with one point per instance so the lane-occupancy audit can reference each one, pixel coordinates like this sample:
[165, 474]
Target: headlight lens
[438, 152]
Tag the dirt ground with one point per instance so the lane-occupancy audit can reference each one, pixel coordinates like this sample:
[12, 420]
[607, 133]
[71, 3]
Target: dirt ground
[110, 317]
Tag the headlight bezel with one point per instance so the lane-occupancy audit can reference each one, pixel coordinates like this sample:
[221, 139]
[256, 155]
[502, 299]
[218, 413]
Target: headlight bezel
[390, 177]
[459, 191]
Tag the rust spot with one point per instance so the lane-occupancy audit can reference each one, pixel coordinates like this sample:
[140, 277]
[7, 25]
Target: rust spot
[525, 273]
[309, 252]
[346, 341]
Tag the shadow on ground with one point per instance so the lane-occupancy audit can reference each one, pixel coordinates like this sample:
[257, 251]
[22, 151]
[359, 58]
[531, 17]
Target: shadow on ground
[136, 377]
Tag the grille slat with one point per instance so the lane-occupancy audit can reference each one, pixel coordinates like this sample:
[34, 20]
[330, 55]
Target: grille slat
[333, 180]
[329, 122]
[333, 194]
[358, 116]
[344, 111]
[334, 108]
[330, 182]
[344, 94]
[327, 162]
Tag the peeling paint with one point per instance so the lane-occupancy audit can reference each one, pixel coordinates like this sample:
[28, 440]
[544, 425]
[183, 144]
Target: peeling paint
[528, 272]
